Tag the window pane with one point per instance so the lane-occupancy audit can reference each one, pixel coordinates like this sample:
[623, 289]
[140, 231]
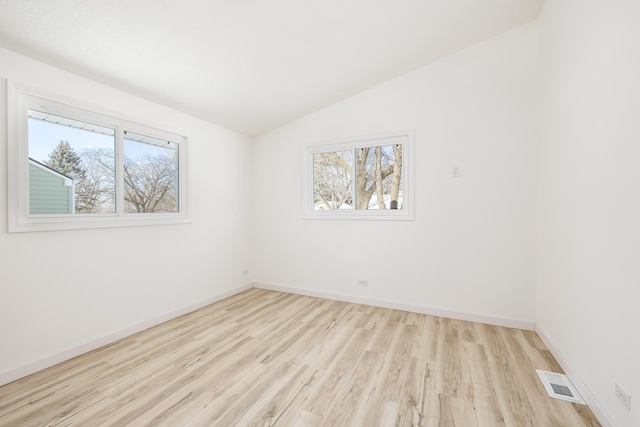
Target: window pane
[71, 166]
[332, 179]
[379, 177]
[150, 174]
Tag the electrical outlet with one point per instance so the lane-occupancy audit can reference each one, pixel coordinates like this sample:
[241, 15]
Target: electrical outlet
[455, 171]
[623, 396]
[363, 283]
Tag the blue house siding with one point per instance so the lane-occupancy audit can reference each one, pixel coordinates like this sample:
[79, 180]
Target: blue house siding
[49, 191]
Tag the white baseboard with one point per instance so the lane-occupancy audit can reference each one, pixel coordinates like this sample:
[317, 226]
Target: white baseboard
[473, 317]
[575, 378]
[30, 368]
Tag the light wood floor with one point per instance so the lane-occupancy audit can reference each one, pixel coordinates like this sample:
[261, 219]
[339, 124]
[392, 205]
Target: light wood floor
[264, 358]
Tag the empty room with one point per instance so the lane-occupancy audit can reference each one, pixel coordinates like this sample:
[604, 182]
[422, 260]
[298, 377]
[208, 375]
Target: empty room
[320, 213]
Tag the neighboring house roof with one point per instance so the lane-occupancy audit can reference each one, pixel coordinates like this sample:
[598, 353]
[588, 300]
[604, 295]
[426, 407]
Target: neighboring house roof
[321, 206]
[373, 203]
[48, 169]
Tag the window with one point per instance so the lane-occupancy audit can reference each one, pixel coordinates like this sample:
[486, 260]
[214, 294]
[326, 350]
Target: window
[150, 174]
[364, 177]
[73, 167]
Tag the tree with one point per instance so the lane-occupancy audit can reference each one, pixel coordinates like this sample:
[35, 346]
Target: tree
[150, 184]
[378, 171]
[100, 182]
[65, 160]
[397, 176]
[332, 179]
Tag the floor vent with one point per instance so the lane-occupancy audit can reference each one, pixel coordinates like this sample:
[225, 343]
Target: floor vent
[559, 386]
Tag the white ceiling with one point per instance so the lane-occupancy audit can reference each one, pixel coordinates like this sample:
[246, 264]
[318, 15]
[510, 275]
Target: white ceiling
[250, 65]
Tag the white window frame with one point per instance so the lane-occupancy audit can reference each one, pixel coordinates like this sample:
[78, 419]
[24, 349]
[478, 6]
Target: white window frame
[21, 98]
[404, 137]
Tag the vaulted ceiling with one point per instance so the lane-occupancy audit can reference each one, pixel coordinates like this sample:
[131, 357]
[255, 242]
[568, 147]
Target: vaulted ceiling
[250, 65]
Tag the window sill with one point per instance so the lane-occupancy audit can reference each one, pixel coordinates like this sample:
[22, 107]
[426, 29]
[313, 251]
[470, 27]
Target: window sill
[360, 216]
[58, 223]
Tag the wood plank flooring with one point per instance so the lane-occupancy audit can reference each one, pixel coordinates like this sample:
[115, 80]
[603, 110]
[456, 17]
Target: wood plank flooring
[264, 358]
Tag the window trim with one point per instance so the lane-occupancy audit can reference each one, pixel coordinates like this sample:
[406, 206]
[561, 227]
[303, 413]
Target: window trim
[351, 143]
[19, 99]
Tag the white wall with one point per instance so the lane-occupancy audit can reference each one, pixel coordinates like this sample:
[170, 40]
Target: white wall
[471, 247]
[589, 221]
[61, 290]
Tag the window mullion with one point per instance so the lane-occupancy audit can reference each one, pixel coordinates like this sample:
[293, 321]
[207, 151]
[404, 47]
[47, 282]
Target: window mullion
[119, 171]
[354, 178]
[178, 181]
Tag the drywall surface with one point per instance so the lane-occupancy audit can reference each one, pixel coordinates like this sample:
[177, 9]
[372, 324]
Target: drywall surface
[471, 247]
[62, 289]
[589, 218]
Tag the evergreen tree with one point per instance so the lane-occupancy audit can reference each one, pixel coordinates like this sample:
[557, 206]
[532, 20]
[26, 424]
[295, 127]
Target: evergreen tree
[66, 161]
